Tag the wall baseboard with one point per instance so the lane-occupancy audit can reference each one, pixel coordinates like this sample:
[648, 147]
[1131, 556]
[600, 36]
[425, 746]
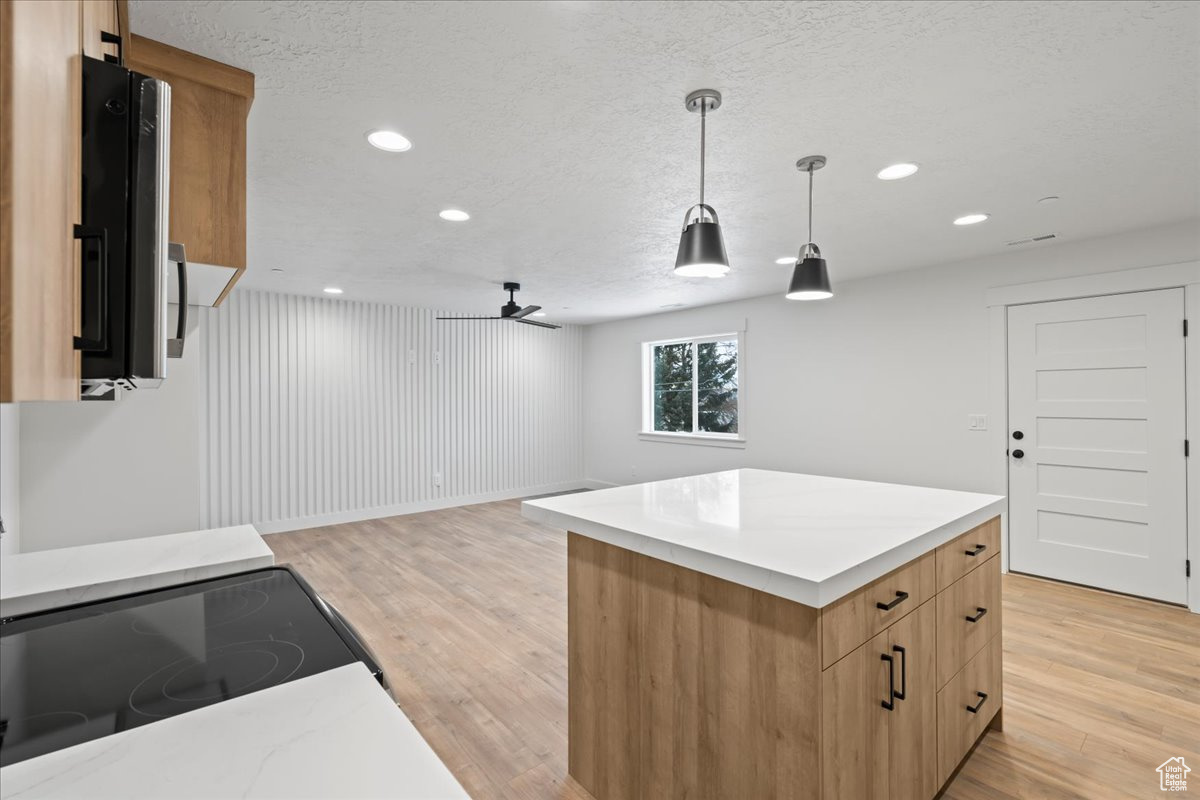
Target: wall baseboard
[379, 512]
[592, 483]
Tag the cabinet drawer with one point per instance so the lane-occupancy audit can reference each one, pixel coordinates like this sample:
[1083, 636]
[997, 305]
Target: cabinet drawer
[857, 617]
[964, 554]
[973, 597]
[958, 726]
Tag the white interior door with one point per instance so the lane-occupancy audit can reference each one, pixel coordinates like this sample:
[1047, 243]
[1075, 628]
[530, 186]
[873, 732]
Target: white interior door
[1097, 472]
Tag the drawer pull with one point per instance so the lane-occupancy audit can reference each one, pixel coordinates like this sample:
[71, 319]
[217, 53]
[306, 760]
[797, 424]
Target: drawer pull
[978, 616]
[888, 704]
[979, 548]
[975, 708]
[900, 598]
[903, 672]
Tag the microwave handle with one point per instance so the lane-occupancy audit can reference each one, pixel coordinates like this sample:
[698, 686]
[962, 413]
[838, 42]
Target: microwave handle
[176, 254]
[98, 342]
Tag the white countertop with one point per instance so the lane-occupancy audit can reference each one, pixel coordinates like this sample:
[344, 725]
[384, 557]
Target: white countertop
[52, 578]
[336, 734]
[808, 538]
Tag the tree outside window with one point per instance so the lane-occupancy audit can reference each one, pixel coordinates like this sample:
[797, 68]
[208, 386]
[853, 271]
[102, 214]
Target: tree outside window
[694, 386]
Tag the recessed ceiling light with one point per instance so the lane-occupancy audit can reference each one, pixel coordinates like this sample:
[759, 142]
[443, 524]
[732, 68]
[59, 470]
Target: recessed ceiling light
[454, 215]
[971, 219]
[786, 260]
[332, 290]
[1047, 200]
[897, 171]
[389, 140]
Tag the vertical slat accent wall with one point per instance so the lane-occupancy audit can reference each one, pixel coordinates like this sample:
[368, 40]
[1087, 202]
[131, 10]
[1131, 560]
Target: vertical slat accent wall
[319, 410]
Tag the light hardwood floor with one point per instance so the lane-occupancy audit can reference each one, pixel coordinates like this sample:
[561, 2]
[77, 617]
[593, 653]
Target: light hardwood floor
[466, 609]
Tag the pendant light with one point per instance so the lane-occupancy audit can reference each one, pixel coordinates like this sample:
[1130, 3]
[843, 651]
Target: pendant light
[810, 278]
[701, 246]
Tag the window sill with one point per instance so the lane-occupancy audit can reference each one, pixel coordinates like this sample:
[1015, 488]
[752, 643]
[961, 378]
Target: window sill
[693, 438]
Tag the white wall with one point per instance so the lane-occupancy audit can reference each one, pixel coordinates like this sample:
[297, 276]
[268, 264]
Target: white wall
[102, 471]
[876, 383]
[10, 496]
[319, 411]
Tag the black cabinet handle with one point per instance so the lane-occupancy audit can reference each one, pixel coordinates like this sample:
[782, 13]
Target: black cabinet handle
[903, 672]
[1018, 435]
[900, 598]
[94, 294]
[1018, 453]
[888, 704]
[982, 697]
[978, 616]
[979, 548]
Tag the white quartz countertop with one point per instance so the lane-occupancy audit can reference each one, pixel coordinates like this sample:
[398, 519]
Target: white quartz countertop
[336, 734]
[53, 578]
[808, 538]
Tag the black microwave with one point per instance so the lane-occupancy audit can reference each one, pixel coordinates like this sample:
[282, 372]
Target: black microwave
[126, 156]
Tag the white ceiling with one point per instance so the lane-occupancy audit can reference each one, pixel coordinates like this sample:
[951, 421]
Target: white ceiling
[560, 127]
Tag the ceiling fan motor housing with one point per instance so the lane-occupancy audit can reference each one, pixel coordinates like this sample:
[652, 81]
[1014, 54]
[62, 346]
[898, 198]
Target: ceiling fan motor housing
[510, 308]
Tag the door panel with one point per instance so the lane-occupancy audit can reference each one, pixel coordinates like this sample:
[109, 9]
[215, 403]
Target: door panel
[854, 723]
[912, 727]
[1096, 386]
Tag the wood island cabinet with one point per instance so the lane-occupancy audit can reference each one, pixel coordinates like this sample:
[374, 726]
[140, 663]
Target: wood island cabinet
[682, 684]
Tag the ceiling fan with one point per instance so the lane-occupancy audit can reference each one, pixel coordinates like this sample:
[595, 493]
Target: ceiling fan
[512, 311]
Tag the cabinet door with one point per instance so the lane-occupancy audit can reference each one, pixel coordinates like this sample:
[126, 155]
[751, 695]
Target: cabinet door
[854, 722]
[912, 727]
[40, 85]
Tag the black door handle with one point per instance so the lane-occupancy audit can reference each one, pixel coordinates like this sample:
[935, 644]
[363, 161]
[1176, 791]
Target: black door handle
[979, 548]
[900, 598]
[978, 616]
[888, 704]
[1018, 454]
[1018, 435]
[98, 322]
[903, 672]
[982, 697]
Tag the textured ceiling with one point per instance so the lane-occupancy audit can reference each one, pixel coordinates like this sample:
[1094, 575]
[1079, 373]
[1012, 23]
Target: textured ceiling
[560, 127]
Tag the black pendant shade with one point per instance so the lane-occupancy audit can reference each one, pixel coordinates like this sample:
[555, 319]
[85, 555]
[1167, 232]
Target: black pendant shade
[810, 278]
[701, 247]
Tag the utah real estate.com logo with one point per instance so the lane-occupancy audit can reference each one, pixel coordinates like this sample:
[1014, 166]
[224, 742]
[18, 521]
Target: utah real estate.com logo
[1172, 775]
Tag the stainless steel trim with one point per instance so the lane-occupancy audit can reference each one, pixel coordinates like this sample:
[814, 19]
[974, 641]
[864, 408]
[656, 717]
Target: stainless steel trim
[161, 220]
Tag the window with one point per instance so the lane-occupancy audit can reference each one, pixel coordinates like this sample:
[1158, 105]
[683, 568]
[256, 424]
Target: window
[692, 387]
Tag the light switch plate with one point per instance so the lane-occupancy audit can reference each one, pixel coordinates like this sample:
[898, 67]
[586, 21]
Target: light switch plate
[977, 422]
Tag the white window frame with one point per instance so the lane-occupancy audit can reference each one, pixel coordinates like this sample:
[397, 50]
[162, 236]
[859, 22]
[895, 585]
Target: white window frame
[648, 433]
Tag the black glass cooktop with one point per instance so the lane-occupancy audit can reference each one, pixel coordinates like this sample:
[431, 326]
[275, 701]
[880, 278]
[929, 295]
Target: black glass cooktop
[75, 674]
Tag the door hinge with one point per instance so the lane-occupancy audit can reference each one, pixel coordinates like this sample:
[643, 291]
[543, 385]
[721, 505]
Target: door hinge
[1187, 448]
[1185, 327]
[1187, 569]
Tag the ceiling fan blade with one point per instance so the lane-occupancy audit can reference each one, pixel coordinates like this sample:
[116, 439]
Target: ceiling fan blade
[535, 322]
[468, 319]
[524, 312]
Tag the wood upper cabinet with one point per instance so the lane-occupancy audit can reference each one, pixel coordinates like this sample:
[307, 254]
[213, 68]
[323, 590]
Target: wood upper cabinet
[210, 102]
[879, 715]
[40, 85]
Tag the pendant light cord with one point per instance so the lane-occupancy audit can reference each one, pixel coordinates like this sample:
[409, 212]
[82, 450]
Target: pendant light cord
[810, 183]
[703, 114]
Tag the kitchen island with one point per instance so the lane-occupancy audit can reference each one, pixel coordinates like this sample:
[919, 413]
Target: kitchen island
[771, 635]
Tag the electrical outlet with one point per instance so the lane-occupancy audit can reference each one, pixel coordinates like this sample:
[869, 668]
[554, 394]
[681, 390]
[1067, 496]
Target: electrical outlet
[412, 356]
[437, 479]
[437, 356]
[633, 470]
[977, 422]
